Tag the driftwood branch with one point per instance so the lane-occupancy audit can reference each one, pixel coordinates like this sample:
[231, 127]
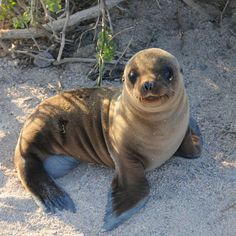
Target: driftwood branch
[57, 25]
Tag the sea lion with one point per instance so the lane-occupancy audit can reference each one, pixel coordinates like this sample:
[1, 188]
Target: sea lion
[131, 129]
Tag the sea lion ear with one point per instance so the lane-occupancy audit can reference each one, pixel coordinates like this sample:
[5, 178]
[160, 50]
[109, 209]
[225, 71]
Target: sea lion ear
[122, 78]
[181, 70]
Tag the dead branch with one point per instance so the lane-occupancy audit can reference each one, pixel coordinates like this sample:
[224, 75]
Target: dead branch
[57, 25]
[197, 7]
[22, 4]
[32, 9]
[122, 54]
[83, 60]
[158, 4]
[12, 50]
[48, 17]
[120, 32]
[104, 6]
[53, 61]
[223, 11]
[232, 32]
[82, 35]
[95, 27]
[63, 33]
[35, 42]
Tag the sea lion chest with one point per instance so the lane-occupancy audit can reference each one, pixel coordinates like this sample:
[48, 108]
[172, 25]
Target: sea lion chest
[152, 139]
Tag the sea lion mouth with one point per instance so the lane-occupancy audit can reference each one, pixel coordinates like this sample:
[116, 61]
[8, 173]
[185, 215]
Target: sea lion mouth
[153, 98]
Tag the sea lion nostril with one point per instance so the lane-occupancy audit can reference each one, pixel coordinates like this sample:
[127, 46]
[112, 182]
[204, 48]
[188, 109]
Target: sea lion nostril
[148, 85]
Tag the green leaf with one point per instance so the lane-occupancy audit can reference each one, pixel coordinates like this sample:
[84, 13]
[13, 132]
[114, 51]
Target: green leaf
[20, 22]
[105, 45]
[53, 5]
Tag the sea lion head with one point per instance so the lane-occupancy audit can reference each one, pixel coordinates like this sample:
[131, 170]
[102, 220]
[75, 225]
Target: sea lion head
[152, 78]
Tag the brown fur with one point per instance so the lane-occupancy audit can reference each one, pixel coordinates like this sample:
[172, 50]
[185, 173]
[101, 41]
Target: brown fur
[132, 130]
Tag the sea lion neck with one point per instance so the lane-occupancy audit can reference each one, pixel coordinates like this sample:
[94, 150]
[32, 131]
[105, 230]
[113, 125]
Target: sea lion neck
[132, 106]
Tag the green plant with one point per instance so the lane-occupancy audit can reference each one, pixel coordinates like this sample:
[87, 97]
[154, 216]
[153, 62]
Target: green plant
[105, 51]
[6, 9]
[19, 17]
[53, 5]
[22, 21]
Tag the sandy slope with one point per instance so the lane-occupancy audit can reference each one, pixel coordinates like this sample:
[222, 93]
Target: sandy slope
[188, 197]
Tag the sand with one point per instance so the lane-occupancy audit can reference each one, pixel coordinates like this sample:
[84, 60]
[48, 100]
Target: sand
[188, 197]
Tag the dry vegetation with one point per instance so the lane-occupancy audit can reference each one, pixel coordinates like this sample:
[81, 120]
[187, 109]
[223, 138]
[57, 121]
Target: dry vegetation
[46, 32]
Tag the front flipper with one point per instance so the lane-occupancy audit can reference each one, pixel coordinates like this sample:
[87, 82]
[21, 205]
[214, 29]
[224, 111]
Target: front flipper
[128, 195]
[191, 146]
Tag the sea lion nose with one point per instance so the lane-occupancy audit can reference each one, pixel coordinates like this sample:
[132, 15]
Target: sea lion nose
[148, 85]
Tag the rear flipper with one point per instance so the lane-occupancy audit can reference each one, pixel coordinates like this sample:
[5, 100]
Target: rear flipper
[59, 165]
[128, 196]
[191, 146]
[46, 192]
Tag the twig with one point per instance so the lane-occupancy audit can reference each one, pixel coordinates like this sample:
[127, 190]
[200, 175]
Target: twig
[95, 27]
[57, 88]
[180, 27]
[126, 48]
[196, 7]
[122, 8]
[158, 4]
[229, 207]
[55, 62]
[108, 17]
[22, 5]
[97, 22]
[72, 5]
[63, 34]
[48, 17]
[82, 35]
[75, 19]
[109, 20]
[122, 54]
[101, 50]
[30, 54]
[83, 60]
[223, 11]
[60, 85]
[129, 28]
[232, 32]
[103, 10]
[32, 8]
[35, 42]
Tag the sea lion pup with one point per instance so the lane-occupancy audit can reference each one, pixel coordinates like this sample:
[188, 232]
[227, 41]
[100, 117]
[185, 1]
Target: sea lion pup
[133, 129]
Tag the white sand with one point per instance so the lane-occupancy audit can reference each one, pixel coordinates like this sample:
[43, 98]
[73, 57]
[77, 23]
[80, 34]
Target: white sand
[188, 197]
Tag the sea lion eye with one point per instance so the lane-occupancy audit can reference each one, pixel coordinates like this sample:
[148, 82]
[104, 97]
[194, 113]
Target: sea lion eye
[133, 76]
[167, 73]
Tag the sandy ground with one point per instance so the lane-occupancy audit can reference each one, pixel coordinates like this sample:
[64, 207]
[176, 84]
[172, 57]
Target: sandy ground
[188, 197]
